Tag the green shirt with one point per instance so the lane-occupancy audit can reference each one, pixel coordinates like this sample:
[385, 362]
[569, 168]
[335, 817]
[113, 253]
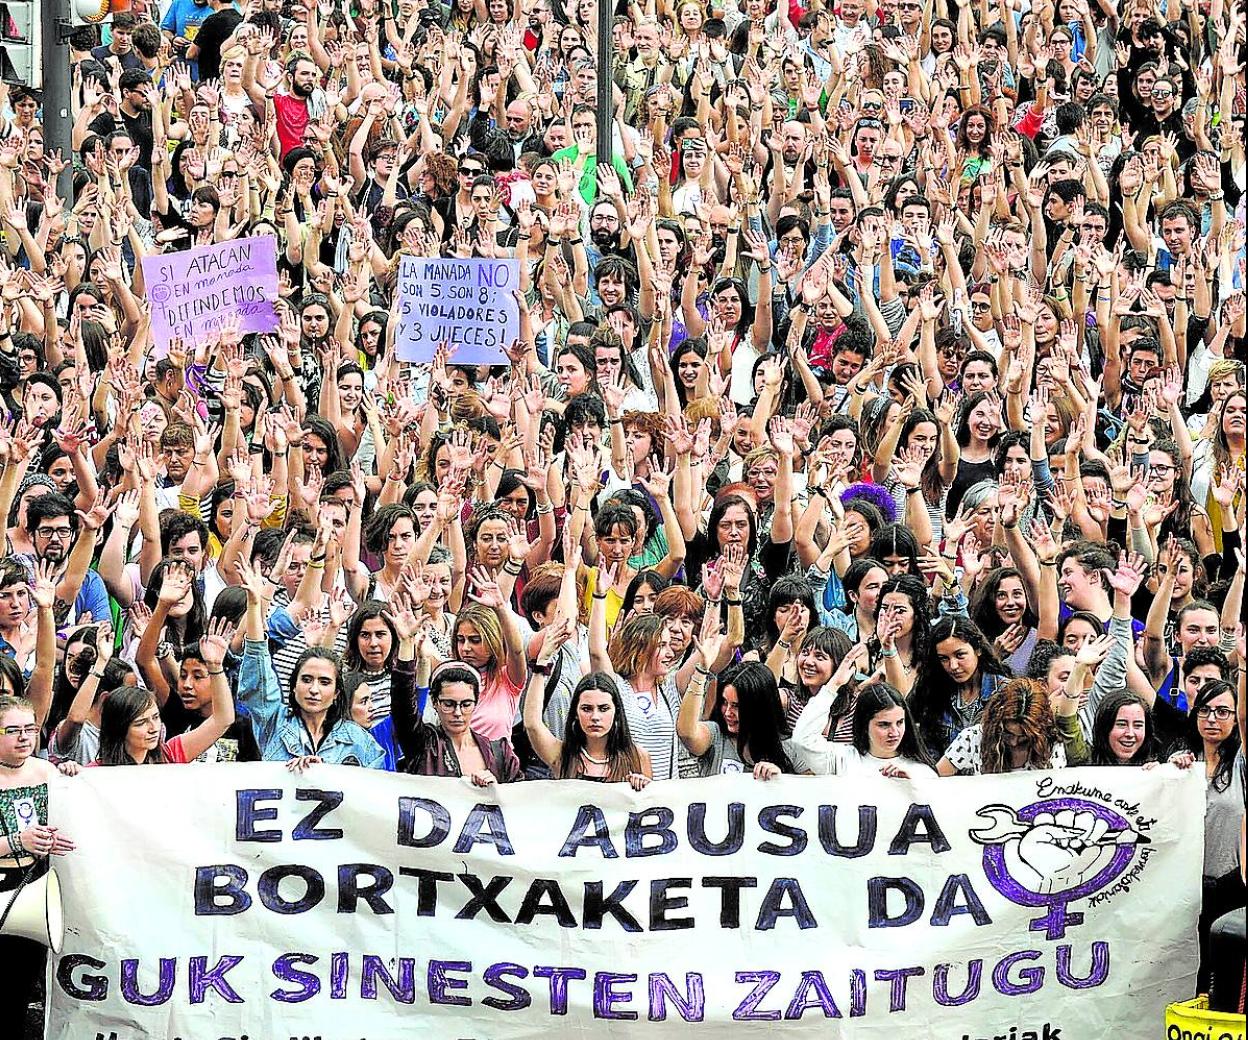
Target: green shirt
[589, 175]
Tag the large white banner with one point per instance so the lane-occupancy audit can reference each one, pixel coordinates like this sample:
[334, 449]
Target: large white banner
[209, 902]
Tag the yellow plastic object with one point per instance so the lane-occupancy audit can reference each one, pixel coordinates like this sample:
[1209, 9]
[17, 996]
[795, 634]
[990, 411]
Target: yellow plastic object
[1192, 1020]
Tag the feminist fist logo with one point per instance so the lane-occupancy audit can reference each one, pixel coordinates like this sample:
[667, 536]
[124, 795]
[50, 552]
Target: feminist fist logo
[1054, 852]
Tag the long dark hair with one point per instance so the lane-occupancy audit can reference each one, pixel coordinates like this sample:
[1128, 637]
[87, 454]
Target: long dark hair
[915, 590]
[118, 711]
[622, 754]
[933, 487]
[654, 579]
[1192, 740]
[340, 709]
[935, 691]
[351, 658]
[1103, 724]
[760, 718]
[193, 623]
[877, 697]
[329, 437]
[984, 603]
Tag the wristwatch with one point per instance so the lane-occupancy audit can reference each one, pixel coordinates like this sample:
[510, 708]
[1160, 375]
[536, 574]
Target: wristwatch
[541, 669]
[164, 649]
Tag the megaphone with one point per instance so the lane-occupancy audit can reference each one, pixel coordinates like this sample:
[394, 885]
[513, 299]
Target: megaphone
[34, 912]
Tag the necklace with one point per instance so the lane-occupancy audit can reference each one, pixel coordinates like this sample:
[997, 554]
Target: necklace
[594, 761]
[8, 765]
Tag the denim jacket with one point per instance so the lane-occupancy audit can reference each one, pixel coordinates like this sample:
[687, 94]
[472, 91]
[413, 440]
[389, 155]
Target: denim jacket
[280, 734]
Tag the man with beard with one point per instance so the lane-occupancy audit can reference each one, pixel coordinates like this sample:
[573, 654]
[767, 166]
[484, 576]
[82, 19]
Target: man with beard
[293, 105]
[62, 540]
[605, 234]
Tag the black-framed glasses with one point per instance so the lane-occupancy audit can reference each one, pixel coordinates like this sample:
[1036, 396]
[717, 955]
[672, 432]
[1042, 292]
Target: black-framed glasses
[62, 533]
[1221, 713]
[471, 171]
[464, 707]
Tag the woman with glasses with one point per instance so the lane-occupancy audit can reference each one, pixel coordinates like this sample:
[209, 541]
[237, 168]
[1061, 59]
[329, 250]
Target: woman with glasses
[26, 843]
[1213, 739]
[451, 747]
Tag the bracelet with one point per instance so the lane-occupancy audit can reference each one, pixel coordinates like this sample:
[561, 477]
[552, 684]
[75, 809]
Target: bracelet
[1048, 563]
[575, 241]
[1010, 527]
[318, 559]
[219, 671]
[545, 512]
[597, 596]
[281, 454]
[510, 570]
[316, 565]
[913, 490]
[888, 653]
[525, 237]
[96, 675]
[615, 422]
[783, 645]
[15, 844]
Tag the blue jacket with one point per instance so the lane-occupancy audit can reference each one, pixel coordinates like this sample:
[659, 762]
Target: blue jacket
[280, 734]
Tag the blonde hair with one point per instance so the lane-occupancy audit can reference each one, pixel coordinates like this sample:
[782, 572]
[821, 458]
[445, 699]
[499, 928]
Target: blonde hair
[485, 621]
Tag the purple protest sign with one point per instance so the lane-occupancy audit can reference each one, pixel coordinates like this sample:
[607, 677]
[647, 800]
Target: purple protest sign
[467, 304]
[192, 291]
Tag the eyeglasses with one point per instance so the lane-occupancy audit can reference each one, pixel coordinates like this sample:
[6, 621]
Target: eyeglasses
[32, 729]
[1221, 714]
[62, 533]
[1162, 95]
[463, 707]
[975, 306]
[471, 171]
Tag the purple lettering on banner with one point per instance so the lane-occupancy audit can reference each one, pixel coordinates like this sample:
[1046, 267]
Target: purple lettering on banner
[947, 904]
[596, 906]
[192, 291]
[209, 889]
[940, 984]
[439, 823]
[164, 982]
[919, 826]
[877, 902]
[868, 821]
[202, 978]
[350, 891]
[1032, 978]
[307, 829]
[729, 897]
[733, 839]
[555, 904]
[763, 982]
[812, 992]
[268, 888]
[485, 825]
[857, 993]
[606, 996]
[589, 830]
[898, 977]
[769, 821]
[426, 888]
[655, 822]
[247, 815]
[339, 970]
[1097, 973]
[690, 1004]
[285, 971]
[402, 989]
[661, 903]
[90, 987]
[439, 982]
[484, 897]
[559, 978]
[773, 906]
[495, 977]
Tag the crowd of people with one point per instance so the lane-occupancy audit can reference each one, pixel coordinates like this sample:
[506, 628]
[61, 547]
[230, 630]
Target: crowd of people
[878, 406]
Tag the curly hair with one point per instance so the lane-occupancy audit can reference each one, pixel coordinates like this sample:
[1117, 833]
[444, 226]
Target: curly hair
[1025, 703]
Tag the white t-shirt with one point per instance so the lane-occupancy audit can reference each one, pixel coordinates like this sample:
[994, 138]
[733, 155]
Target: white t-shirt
[812, 752]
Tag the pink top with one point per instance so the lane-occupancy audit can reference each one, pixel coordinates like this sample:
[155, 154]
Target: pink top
[175, 754]
[495, 714]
